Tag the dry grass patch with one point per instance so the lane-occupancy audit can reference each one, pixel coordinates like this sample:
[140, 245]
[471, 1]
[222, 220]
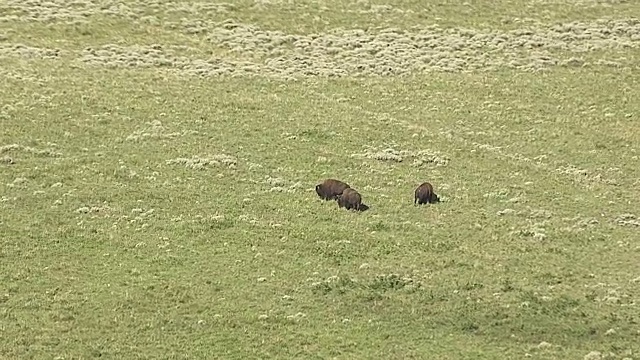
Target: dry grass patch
[196, 162]
[157, 131]
[419, 157]
[29, 52]
[248, 50]
[16, 148]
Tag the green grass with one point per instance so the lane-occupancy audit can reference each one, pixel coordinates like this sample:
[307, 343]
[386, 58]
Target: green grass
[115, 243]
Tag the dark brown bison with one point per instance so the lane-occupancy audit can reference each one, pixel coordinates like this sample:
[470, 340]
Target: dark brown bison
[350, 199]
[424, 194]
[330, 189]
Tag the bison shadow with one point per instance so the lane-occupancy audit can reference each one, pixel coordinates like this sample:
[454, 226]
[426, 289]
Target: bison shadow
[363, 208]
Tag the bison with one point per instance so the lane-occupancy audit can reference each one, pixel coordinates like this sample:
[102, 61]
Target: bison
[351, 199]
[330, 189]
[424, 194]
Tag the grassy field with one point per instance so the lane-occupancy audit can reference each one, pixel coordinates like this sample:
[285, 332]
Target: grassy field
[158, 162]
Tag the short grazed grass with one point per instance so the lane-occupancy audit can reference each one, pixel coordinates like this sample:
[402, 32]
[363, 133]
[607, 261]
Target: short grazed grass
[156, 179]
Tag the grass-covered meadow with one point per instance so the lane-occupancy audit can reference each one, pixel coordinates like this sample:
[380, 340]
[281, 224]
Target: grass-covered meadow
[158, 162]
